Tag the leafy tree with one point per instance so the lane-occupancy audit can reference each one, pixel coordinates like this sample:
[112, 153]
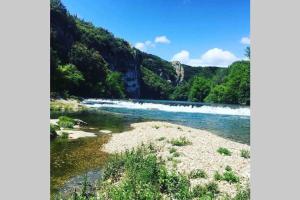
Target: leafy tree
[153, 86]
[181, 92]
[115, 85]
[200, 89]
[69, 78]
[94, 68]
[247, 52]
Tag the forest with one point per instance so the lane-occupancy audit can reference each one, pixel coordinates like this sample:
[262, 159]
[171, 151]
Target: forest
[88, 61]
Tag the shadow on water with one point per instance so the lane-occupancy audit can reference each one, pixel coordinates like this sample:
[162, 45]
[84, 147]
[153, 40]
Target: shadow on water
[72, 158]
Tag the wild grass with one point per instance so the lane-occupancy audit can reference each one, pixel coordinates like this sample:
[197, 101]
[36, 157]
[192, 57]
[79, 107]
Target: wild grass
[140, 174]
[228, 176]
[245, 153]
[53, 129]
[198, 173]
[66, 122]
[206, 192]
[182, 141]
[224, 151]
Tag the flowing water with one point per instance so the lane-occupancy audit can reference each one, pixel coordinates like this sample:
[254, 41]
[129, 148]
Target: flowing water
[228, 121]
[70, 160]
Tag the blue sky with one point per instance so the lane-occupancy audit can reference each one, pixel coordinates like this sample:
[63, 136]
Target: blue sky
[195, 32]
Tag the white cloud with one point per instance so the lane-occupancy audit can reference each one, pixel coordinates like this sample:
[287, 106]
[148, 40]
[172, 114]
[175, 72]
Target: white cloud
[144, 46]
[182, 56]
[162, 39]
[245, 40]
[212, 57]
[140, 45]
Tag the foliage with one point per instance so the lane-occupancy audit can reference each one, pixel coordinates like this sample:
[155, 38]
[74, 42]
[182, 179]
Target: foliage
[53, 129]
[200, 88]
[243, 194]
[89, 61]
[248, 52]
[236, 88]
[66, 122]
[115, 85]
[181, 92]
[208, 191]
[182, 141]
[245, 153]
[224, 151]
[198, 173]
[154, 86]
[228, 176]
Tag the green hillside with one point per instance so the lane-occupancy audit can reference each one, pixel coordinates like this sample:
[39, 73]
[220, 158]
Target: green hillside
[89, 61]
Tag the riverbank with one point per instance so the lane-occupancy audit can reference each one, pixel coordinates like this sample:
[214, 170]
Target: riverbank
[186, 149]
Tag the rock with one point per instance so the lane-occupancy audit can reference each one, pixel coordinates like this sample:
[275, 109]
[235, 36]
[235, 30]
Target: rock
[179, 71]
[80, 122]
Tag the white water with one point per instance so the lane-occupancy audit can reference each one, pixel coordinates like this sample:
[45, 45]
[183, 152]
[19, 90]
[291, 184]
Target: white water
[226, 110]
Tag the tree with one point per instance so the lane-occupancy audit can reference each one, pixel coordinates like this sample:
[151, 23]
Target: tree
[115, 85]
[247, 52]
[69, 78]
[200, 89]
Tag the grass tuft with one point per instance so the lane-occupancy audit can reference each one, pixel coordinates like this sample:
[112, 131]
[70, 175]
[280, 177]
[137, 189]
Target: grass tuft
[182, 141]
[245, 153]
[66, 122]
[224, 151]
[198, 173]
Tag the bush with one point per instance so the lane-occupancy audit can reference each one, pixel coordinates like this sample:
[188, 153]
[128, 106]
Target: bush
[64, 135]
[243, 194]
[224, 151]
[198, 173]
[182, 141]
[230, 177]
[53, 129]
[218, 176]
[66, 122]
[208, 191]
[245, 153]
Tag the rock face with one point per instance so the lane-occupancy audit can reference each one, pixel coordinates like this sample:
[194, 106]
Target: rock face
[179, 71]
[131, 81]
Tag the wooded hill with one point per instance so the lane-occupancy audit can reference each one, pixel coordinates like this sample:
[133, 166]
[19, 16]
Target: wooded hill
[88, 61]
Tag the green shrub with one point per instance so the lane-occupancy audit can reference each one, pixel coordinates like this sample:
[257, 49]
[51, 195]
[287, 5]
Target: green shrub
[66, 122]
[208, 191]
[243, 194]
[230, 177]
[224, 151]
[64, 135]
[218, 176]
[245, 153]
[182, 141]
[198, 173]
[53, 129]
